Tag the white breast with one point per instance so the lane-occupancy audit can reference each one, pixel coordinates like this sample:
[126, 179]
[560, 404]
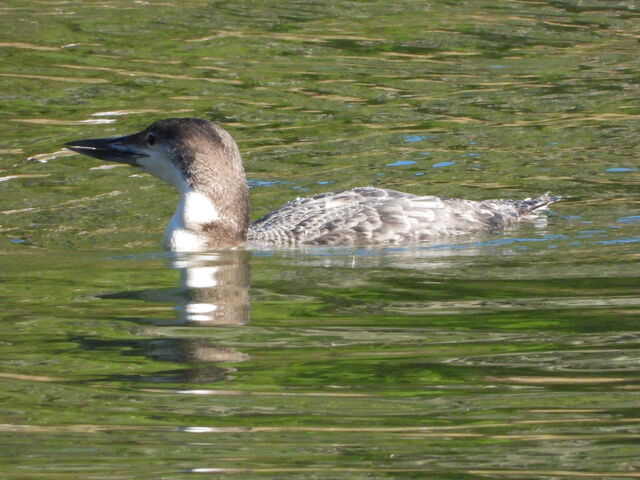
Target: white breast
[181, 240]
[194, 210]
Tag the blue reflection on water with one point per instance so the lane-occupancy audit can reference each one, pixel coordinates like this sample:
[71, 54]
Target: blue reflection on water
[400, 163]
[417, 138]
[442, 164]
[253, 182]
[629, 219]
[619, 240]
[621, 169]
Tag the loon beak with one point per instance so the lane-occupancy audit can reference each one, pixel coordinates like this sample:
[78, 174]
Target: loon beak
[114, 149]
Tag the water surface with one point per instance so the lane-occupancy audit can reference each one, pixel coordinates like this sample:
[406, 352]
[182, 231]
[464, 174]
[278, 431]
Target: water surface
[511, 355]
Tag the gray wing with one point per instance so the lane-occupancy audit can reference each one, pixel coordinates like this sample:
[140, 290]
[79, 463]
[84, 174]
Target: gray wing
[370, 215]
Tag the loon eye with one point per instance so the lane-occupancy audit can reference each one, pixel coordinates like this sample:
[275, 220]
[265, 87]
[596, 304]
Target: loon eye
[151, 139]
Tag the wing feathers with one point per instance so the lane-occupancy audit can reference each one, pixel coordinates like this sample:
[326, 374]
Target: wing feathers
[368, 215]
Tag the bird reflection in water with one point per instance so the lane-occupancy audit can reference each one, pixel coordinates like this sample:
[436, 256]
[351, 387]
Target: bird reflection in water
[213, 292]
[215, 287]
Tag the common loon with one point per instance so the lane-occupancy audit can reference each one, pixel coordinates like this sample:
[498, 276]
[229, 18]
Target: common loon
[201, 160]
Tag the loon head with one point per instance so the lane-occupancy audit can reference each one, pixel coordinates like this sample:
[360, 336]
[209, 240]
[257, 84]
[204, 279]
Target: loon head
[202, 161]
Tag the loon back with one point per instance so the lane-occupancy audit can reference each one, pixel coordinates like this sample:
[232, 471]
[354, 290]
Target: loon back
[369, 216]
[203, 163]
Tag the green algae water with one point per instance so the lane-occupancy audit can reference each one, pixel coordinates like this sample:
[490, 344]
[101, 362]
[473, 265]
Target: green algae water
[510, 355]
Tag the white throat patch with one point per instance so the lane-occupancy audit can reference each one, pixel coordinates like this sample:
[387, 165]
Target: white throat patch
[197, 208]
[194, 210]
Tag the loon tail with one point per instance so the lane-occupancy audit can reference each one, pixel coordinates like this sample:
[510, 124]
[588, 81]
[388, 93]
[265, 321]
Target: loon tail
[530, 205]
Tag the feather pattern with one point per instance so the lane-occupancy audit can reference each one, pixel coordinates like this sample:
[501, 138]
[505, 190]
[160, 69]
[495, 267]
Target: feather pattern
[368, 215]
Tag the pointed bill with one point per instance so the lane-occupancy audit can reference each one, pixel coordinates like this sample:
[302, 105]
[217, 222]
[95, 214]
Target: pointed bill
[125, 149]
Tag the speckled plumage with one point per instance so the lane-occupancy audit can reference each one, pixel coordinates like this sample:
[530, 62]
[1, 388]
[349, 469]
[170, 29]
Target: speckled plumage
[368, 215]
[202, 161]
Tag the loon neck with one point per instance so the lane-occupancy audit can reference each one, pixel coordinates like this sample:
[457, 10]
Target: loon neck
[200, 222]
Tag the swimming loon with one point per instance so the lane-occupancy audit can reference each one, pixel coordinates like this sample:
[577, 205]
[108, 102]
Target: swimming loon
[201, 160]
